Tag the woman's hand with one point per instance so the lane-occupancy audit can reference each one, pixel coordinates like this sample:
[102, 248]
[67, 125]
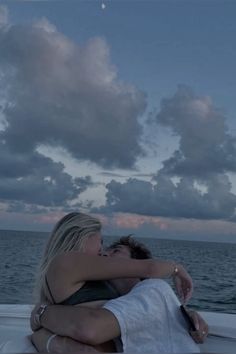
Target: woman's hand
[183, 283]
[33, 323]
[202, 329]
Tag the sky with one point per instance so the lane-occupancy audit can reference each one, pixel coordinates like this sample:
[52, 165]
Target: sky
[121, 109]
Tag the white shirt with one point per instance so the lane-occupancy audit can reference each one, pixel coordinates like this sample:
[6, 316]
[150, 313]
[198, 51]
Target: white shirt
[150, 320]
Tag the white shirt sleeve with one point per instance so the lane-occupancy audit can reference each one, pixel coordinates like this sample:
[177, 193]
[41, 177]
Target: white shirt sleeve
[150, 319]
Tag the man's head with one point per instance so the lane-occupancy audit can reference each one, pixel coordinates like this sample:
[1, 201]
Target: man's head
[127, 247]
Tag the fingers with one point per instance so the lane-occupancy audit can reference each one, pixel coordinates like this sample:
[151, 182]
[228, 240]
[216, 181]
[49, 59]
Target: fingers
[188, 291]
[203, 326]
[187, 286]
[184, 292]
[202, 331]
[184, 285]
[199, 336]
[179, 289]
[188, 294]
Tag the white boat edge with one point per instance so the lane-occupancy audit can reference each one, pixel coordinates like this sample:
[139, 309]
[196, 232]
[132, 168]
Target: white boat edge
[14, 326]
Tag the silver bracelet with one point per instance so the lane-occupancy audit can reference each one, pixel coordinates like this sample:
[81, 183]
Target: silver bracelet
[49, 342]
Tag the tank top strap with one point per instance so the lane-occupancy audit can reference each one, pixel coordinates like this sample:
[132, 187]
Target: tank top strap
[49, 290]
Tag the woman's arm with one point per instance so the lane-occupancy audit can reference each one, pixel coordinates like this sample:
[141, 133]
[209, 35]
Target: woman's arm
[58, 344]
[91, 326]
[66, 271]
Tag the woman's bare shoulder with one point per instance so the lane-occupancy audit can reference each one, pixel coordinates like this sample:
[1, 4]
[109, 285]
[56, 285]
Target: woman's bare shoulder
[67, 259]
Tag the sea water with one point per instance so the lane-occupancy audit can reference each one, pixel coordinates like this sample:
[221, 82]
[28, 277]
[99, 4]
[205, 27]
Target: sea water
[211, 265]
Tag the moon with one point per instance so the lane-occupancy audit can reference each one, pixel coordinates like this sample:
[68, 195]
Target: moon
[103, 6]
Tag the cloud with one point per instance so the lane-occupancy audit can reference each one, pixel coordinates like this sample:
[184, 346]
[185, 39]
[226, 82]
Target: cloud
[36, 179]
[168, 199]
[118, 175]
[30, 221]
[205, 145]
[135, 222]
[3, 16]
[162, 227]
[111, 174]
[57, 93]
[54, 92]
[193, 183]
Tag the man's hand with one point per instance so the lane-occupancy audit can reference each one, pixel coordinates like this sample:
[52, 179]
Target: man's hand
[202, 329]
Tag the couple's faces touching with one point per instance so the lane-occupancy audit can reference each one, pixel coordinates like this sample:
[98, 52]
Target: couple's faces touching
[93, 246]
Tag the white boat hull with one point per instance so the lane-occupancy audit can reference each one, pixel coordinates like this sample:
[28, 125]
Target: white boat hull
[14, 326]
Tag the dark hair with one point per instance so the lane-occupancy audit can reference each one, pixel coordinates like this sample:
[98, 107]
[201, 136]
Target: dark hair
[137, 249]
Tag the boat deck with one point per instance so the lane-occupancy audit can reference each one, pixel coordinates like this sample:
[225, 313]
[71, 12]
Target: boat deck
[14, 326]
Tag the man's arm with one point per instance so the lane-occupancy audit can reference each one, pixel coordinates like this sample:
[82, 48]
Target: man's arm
[87, 325]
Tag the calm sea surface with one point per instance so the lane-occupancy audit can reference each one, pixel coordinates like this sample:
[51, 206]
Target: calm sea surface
[212, 266]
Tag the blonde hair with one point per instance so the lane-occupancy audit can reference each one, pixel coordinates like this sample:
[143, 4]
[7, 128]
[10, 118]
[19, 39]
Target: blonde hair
[69, 234]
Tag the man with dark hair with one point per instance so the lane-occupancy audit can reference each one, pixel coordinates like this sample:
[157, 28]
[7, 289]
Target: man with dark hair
[137, 249]
[147, 317]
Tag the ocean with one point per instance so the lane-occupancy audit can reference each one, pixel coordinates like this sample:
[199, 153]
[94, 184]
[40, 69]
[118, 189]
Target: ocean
[211, 265]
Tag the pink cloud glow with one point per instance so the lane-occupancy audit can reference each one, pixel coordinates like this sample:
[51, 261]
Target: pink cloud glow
[49, 219]
[134, 221]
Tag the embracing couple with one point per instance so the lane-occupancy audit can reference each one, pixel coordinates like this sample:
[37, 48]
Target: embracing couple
[109, 301]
